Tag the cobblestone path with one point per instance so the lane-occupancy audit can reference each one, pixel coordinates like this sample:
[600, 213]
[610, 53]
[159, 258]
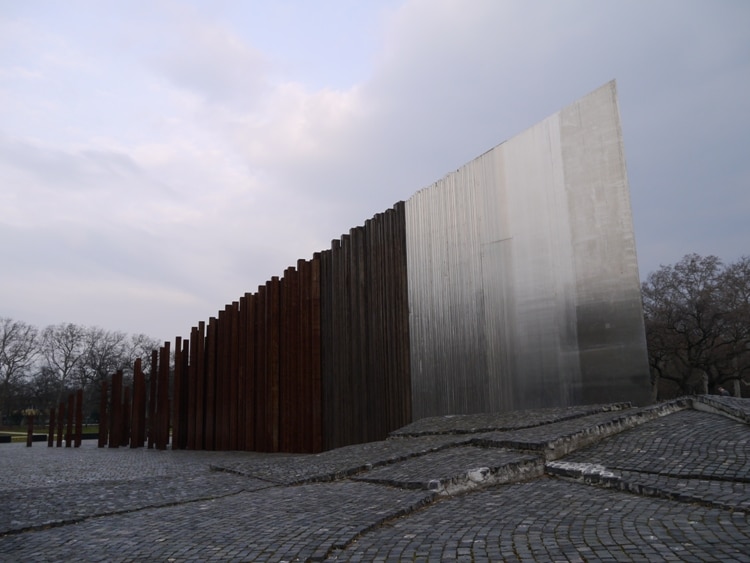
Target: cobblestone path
[598, 483]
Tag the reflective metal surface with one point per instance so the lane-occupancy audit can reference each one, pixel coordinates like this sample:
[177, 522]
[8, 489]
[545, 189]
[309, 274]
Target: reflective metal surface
[522, 275]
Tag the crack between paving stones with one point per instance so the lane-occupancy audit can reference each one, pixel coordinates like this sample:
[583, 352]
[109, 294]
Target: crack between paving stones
[407, 510]
[719, 479]
[396, 436]
[632, 487]
[69, 521]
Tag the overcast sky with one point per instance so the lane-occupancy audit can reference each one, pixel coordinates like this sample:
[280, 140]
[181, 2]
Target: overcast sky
[158, 159]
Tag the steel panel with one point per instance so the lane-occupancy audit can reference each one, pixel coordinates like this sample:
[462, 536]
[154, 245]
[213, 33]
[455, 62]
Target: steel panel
[522, 278]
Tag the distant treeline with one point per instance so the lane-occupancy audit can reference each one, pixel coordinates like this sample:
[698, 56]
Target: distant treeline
[38, 368]
[697, 315]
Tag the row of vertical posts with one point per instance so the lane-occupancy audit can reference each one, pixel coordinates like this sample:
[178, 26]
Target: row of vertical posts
[137, 416]
[314, 360]
[250, 378]
[67, 418]
[365, 324]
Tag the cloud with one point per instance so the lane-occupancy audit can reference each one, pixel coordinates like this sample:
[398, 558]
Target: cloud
[201, 149]
[209, 60]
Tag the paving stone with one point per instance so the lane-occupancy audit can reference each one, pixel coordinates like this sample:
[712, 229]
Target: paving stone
[282, 523]
[560, 438]
[552, 520]
[339, 463]
[457, 469]
[689, 444]
[656, 484]
[488, 422]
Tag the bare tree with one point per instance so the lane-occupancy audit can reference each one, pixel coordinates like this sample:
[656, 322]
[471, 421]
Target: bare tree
[18, 350]
[64, 350]
[140, 346]
[696, 323]
[105, 353]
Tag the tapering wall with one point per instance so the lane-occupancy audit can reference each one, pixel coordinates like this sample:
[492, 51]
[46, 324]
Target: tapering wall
[523, 281]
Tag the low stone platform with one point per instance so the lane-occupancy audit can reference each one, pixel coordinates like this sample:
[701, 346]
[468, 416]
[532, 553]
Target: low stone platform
[669, 482]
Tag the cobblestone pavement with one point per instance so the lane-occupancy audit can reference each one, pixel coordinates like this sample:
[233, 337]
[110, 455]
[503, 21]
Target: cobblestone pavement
[601, 483]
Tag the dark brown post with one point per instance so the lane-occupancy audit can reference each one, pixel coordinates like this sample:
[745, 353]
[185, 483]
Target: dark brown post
[185, 387]
[79, 417]
[260, 370]
[138, 429]
[126, 418]
[274, 335]
[289, 348]
[51, 431]
[115, 433]
[210, 371]
[233, 381]
[29, 430]
[162, 396]
[178, 406]
[151, 421]
[241, 372]
[69, 426]
[315, 358]
[192, 389]
[60, 418]
[103, 417]
[250, 372]
[222, 366]
[200, 387]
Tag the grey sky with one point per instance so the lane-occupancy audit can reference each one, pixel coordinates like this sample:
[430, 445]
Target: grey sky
[158, 159]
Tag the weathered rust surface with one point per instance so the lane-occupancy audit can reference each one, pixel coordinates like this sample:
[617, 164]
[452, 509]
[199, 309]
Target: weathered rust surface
[151, 420]
[138, 427]
[178, 400]
[162, 398]
[51, 429]
[115, 433]
[103, 419]
[79, 418]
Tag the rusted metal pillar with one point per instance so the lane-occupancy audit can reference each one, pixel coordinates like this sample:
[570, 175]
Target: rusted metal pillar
[79, 417]
[200, 388]
[69, 426]
[60, 419]
[29, 429]
[210, 399]
[192, 417]
[273, 364]
[315, 357]
[250, 372]
[289, 345]
[51, 429]
[178, 405]
[151, 420]
[242, 369]
[185, 389]
[303, 400]
[126, 418]
[327, 349]
[162, 397]
[115, 433]
[103, 417]
[222, 380]
[138, 425]
[234, 379]
[261, 383]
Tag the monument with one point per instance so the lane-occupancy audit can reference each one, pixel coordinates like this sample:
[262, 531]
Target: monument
[512, 283]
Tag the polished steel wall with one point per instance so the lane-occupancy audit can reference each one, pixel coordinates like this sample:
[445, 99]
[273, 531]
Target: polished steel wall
[522, 275]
